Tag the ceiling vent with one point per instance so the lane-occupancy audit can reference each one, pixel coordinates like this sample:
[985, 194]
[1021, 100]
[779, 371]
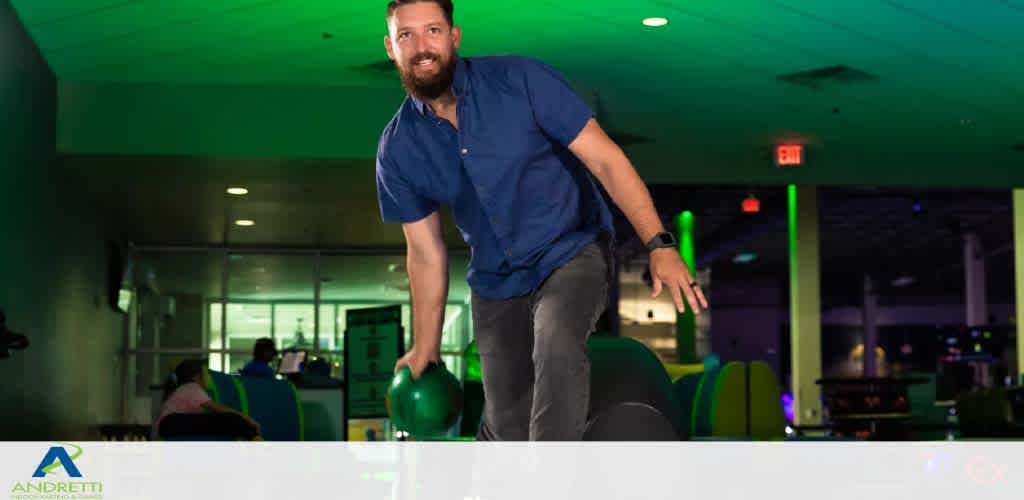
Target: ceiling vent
[828, 76]
[385, 67]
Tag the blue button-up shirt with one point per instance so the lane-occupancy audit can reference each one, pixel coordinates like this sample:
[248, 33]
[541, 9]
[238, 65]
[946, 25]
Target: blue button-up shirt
[523, 202]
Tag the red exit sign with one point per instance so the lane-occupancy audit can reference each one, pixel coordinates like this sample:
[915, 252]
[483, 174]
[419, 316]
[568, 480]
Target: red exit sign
[788, 155]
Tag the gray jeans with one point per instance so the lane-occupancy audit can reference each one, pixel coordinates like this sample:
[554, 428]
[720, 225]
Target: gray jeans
[536, 372]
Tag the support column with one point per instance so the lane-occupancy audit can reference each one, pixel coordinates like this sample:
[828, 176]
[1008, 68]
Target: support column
[974, 281]
[1018, 266]
[686, 322]
[805, 304]
[870, 312]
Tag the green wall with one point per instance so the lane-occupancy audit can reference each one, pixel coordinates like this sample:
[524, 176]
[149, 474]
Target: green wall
[52, 266]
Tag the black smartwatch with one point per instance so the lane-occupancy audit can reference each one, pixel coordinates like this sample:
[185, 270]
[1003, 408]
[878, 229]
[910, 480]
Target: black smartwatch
[662, 240]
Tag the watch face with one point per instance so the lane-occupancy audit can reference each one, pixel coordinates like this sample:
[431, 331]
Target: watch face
[666, 239]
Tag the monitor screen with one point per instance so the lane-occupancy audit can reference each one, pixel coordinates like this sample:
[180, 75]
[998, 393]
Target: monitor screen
[291, 362]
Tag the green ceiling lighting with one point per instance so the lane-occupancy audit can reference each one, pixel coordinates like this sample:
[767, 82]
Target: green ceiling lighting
[684, 224]
[257, 79]
[686, 322]
[245, 223]
[238, 191]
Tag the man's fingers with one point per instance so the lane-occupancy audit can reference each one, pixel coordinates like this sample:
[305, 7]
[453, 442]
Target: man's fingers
[677, 298]
[690, 297]
[693, 292]
[657, 287]
[700, 296]
[400, 363]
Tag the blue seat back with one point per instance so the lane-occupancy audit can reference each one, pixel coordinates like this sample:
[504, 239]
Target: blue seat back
[275, 405]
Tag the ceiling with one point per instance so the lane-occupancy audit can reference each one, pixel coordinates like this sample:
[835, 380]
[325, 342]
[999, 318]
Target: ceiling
[291, 276]
[706, 92]
[917, 95]
[174, 200]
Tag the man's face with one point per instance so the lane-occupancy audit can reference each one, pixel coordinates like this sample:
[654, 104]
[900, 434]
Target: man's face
[423, 45]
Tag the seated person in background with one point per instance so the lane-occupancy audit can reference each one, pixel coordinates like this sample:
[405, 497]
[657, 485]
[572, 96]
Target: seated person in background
[188, 410]
[262, 354]
[319, 368]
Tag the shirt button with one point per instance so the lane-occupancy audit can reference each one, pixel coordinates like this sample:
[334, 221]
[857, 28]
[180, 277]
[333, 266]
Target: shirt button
[465, 151]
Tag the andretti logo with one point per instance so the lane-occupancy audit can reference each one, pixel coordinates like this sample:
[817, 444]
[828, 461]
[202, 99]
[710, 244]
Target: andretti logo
[56, 477]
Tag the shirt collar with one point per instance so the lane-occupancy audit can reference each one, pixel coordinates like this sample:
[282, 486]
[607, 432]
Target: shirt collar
[460, 85]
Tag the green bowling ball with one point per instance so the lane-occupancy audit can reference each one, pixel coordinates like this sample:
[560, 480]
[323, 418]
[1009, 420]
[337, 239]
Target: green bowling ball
[425, 408]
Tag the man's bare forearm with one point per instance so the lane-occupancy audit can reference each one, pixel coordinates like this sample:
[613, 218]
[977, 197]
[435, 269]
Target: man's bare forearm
[428, 281]
[630, 194]
[615, 172]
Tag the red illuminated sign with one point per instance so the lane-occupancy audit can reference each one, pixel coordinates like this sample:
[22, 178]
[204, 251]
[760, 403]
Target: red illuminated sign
[751, 205]
[789, 155]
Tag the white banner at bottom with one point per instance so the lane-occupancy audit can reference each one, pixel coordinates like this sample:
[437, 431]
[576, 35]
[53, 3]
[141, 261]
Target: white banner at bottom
[519, 471]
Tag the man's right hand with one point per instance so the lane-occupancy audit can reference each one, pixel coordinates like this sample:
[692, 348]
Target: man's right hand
[417, 362]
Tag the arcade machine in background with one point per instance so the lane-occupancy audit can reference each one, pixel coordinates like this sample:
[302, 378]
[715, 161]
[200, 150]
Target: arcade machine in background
[975, 381]
[971, 359]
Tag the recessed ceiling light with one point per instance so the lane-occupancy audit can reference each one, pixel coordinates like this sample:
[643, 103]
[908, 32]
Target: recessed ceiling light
[903, 281]
[745, 258]
[655, 22]
[244, 222]
[238, 191]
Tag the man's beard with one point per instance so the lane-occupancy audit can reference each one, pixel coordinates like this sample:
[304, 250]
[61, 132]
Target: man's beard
[428, 87]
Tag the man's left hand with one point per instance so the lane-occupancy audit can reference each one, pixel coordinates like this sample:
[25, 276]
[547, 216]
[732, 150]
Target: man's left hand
[668, 270]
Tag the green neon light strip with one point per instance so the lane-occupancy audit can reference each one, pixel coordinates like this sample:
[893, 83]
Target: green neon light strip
[302, 417]
[211, 385]
[686, 323]
[684, 223]
[243, 397]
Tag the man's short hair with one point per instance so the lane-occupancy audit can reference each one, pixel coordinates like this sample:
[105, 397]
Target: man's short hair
[446, 7]
[264, 349]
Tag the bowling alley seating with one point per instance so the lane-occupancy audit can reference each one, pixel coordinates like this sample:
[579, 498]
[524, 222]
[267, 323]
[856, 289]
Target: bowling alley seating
[677, 371]
[273, 403]
[634, 397]
[735, 402]
[631, 396]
